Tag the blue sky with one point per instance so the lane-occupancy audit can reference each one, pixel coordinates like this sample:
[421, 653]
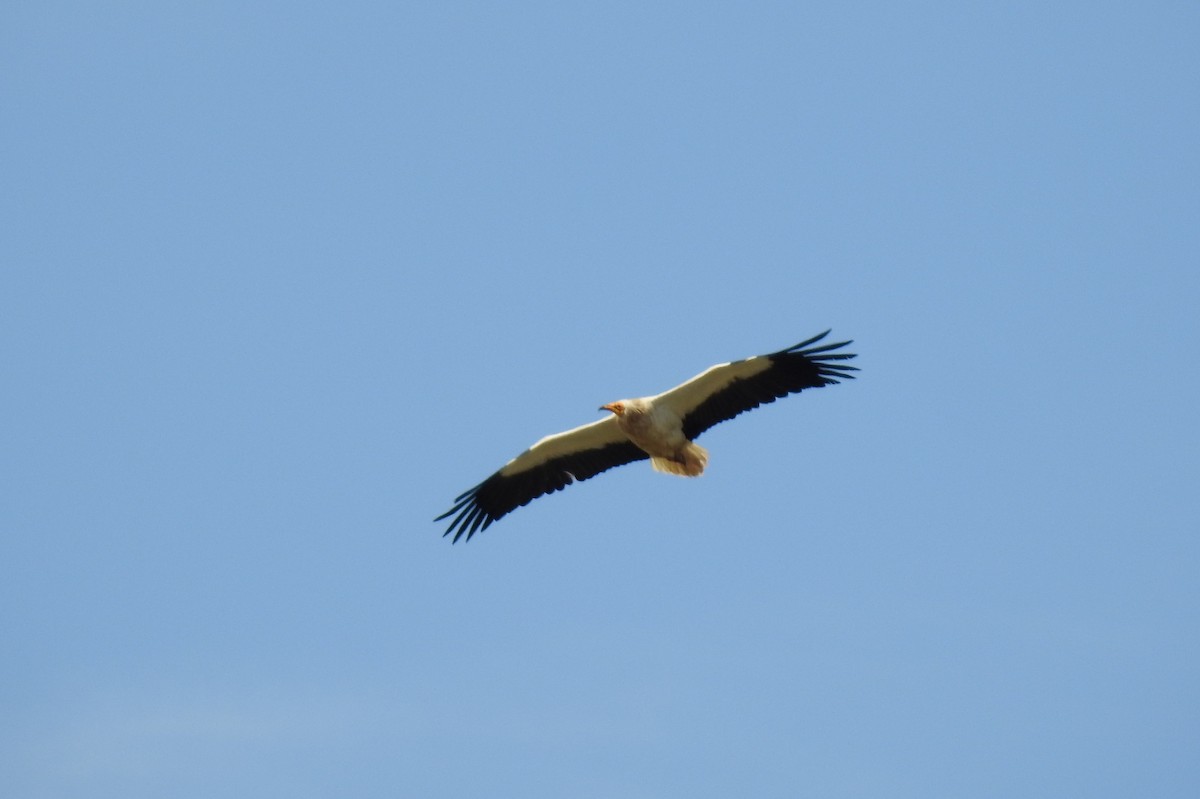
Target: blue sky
[283, 279]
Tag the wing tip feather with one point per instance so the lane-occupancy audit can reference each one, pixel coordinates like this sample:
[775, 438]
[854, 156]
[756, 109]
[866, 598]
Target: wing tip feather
[804, 343]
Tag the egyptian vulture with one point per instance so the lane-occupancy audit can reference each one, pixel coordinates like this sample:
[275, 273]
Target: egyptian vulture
[661, 428]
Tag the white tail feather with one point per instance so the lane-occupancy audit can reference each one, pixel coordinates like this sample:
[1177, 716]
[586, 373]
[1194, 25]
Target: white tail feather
[689, 461]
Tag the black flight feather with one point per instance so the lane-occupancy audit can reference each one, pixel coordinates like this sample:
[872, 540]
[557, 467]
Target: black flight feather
[501, 494]
[791, 370]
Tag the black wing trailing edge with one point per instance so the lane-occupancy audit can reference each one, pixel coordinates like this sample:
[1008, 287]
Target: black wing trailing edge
[791, 370]
[501, 494]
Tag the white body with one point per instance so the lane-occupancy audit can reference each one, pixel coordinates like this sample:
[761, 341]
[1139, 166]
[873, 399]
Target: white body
[658, 431]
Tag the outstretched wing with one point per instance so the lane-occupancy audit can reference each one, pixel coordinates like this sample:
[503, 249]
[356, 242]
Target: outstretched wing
[725, 390]
[548, 466]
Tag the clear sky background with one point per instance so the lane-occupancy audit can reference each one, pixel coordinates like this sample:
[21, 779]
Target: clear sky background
[279, 280]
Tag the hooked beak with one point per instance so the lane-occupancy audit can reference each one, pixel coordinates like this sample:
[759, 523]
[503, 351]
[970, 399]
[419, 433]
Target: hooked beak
[612, 406]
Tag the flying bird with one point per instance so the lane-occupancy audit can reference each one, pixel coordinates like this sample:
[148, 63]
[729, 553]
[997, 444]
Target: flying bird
[662, 428]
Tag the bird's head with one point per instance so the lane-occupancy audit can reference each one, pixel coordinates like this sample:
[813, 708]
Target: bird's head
[618, 408]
